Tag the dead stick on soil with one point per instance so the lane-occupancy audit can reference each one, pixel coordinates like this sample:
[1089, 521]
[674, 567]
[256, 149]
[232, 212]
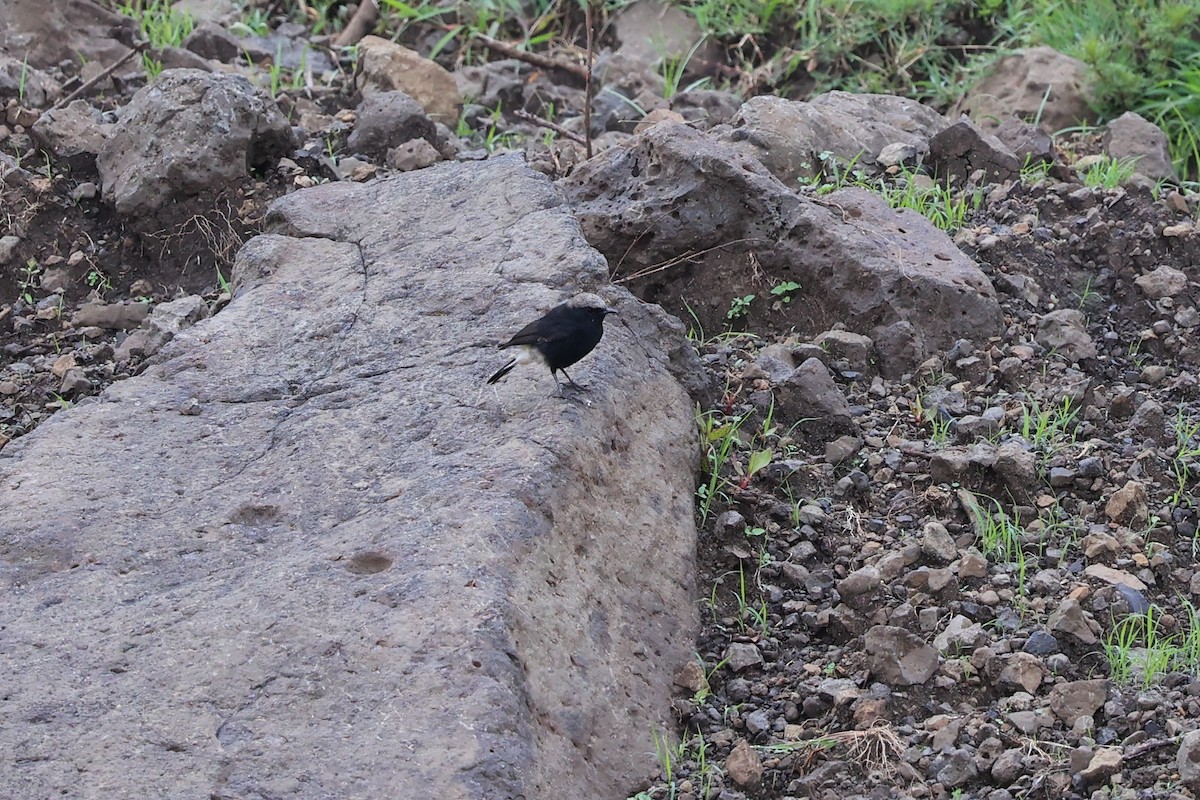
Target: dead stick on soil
[92, 81]
[537, 59]
[545, 123]
[587, 79]
[1146, 747]
[359, 25]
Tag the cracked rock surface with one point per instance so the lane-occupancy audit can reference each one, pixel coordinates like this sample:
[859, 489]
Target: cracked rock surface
[303, 554]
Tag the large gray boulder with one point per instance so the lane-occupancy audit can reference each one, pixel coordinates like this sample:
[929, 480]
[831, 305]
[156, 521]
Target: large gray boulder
[45, 33]
[688, 221]
[1039, 85]
[787, 136]
[190, 132]
[350, 569]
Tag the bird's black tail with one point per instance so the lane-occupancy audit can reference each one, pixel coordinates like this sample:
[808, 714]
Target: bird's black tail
[500, 373]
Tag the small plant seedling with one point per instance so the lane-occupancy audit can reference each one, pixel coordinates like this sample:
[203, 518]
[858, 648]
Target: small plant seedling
[719, 437]
[1108, 172]
[98, 281]
[739, 307]
[1033, 172]
[940, 429]
[255, 23]
[22, 81]
[162, 25]
[29, 279]
[222, 283]
[672, 70]
[785, 290]
[759, 459]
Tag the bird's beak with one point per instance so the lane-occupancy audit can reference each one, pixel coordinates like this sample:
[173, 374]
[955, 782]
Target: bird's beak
[608, 311]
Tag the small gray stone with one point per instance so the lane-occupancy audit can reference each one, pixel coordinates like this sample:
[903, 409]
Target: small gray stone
[743, 765]
[417, 154]
[898, 657]
[1102, 766]
[898, 153]
[958, 769]
[960, 635]
[842, 448]
[1187, 760]
[1017, 671]
[937, 543]
[1065, 331]
[1131, 137]
[861, 581]
[74, 382]
[1009, 766]
[386, 120]
[963, 148]
[859, 350]
[1128, 505]
[1164, 281]
[729, 523]
[1070, 618]
[1075, 699]
[186, 133]
[1061, 476]
[757, 722]
[742, 655]
[810, 394]
[811, 514]
[1149, 421]
[1040, 643]
[838, 691]
[8, 245]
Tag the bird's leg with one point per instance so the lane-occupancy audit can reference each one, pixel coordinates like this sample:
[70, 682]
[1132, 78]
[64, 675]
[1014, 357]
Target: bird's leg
[573, 383]
[554, 375]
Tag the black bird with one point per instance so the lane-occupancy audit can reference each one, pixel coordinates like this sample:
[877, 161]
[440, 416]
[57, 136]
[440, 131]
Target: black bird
[567, 333]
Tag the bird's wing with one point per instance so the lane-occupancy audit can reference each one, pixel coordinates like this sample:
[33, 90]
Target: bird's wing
[546, 329]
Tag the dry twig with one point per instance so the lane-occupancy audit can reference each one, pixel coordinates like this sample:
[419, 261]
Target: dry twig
[545, 123]
[92, 81]
[537, 59]
[587, 81]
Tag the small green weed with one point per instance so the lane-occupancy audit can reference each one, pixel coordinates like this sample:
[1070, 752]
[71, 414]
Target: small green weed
[161, 24]
[254, 22]
[718, 435]
[739, 307]
[998, 533]
[1184, 463]
[1050, 429]
[940, 204]
[750, 614]
[28, 280]
[223, 283]
[1137, 644]
[673, 69]
[785, 290]
[687, 760]
[1034, 172]
[98, 281]
[939, 429]
[1108, 173]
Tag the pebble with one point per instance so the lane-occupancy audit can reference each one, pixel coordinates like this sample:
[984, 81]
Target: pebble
[742, 656]
[743, 764]
[1187, 760]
